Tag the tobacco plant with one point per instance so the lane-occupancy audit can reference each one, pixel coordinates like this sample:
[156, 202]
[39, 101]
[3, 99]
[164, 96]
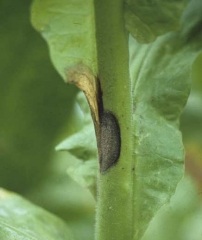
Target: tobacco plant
[132, 60]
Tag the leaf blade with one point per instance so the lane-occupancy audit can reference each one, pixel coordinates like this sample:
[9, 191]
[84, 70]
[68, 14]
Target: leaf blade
[82, 145]
[20, 219]
[161, 73]
[68, 28]
[146, 20]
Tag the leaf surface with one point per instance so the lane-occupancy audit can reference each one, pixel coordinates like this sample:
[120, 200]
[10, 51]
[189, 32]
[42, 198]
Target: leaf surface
[82, 145]
[68, 28]
[182, 216]
[161, 73]
[146, 20]
[20, 220]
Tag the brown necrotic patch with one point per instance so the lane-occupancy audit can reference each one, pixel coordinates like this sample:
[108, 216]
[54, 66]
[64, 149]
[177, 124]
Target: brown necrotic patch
[110, 141]
[82, 77]
[106, 124]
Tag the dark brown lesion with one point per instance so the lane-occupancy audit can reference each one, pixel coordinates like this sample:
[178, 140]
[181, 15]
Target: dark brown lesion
[106, 125]
[109, 141]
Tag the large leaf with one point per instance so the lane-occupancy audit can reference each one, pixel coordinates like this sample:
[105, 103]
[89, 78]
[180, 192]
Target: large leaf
[161, 73]
[62, 196]
[68, 28]
[20, 220]
[83, 146]
[181, 218]
[146, 20]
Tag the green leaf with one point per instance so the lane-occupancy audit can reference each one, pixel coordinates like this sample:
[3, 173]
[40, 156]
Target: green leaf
[60, 195]
[68, 28]
[85, 174]
[146, 20]
[82, 145]
[161, 73]
[182, 216]
[19, 219]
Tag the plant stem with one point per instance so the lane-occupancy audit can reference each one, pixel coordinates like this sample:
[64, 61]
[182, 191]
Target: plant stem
[114, 207]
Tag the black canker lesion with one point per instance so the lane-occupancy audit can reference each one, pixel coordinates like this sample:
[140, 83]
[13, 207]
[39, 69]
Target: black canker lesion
[105, 122]
[108, 136]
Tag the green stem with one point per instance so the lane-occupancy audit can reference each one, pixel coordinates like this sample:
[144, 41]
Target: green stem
[114, 207]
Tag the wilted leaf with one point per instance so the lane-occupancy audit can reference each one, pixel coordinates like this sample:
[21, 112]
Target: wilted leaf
[161, 73]
[20, 220]
[146, 20]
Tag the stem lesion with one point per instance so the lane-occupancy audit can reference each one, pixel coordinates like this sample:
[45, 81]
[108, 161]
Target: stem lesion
[110, 100]
[115, 198]
[106, 125]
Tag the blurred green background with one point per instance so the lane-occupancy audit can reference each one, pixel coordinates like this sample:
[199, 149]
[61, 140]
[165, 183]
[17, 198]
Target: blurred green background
[37, 111]
[191, 125]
